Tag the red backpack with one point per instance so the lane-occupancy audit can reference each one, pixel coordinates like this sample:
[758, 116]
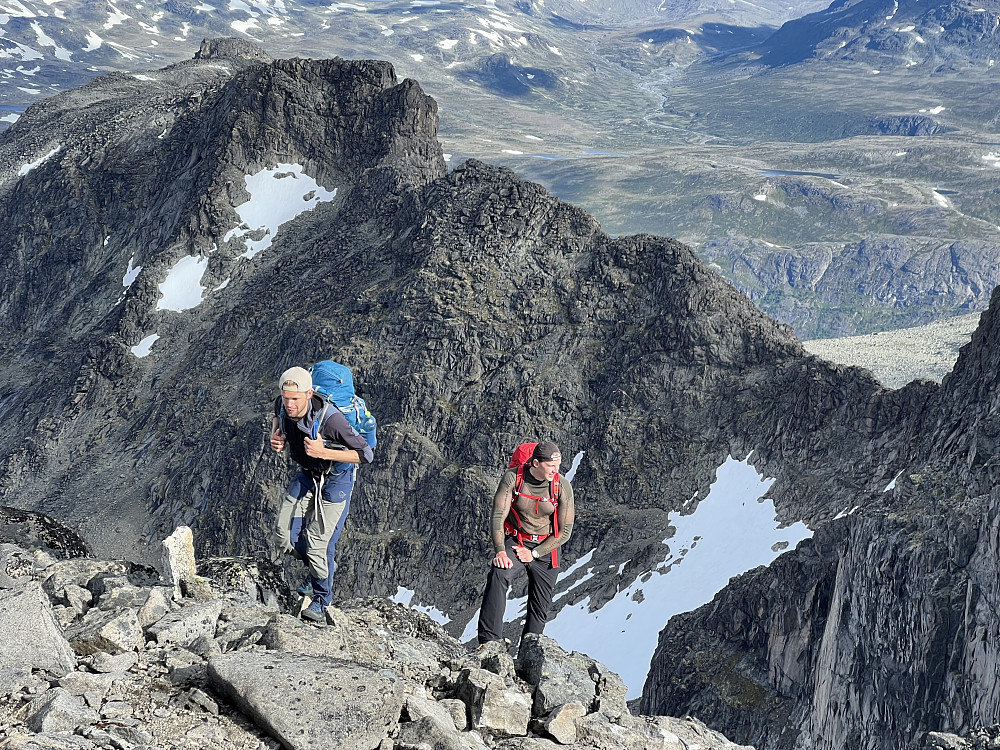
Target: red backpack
[520, 459]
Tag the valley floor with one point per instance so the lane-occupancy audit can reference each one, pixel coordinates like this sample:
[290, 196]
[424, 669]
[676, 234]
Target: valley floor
[897, 357]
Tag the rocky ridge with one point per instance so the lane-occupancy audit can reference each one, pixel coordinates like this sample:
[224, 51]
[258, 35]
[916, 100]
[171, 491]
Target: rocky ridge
[100, 654]
[475, 309]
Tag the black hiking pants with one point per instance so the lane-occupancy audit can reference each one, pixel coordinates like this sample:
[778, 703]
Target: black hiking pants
[541, 582]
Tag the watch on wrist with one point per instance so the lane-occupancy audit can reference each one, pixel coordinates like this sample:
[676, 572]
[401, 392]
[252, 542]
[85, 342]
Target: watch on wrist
[534, 554]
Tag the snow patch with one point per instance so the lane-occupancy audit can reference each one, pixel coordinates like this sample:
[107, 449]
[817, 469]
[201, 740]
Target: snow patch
[760, 197]
[244, 27]
[892, 485]
[115, 17]
[141, 349]
[131, 274]
[44, 40]
[94, 42]
[11, 118]
[182, 288]
[732, 531]
[276, 196]
[141, 77]
[447, 43]
[405, 596]
[37, 162]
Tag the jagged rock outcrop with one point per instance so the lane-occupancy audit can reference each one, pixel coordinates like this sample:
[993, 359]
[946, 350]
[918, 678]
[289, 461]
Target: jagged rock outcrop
[883, 626]
[383, 676]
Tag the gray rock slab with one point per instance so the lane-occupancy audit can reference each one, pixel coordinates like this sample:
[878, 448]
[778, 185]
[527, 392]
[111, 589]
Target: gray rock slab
[178, 557]
[311, 702]
[81, 683]
[458, 710]
[429, 732]
[30, 638]
[58, 711]
[561, 723]
[528, 743]
[562, 677]
[155, 608]
[188, 624]
[492, 706]
[102, 662]
[418, 708]
[47, 742]
[110, 632]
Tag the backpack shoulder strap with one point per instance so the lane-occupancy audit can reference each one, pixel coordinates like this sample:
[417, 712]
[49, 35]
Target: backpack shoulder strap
[318, 423]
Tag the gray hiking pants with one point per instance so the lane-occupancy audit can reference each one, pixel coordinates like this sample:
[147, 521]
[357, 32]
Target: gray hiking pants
[310, 529]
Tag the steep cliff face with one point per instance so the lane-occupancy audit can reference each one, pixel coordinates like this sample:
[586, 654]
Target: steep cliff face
[883, 626]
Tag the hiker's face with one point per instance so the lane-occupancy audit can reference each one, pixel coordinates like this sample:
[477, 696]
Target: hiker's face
[296, 403]
[548, 469]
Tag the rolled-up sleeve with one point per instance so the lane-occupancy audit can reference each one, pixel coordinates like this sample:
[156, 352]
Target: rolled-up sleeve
[339, 430]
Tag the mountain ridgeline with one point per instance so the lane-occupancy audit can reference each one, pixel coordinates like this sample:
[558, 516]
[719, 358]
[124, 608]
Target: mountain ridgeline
[476, 311]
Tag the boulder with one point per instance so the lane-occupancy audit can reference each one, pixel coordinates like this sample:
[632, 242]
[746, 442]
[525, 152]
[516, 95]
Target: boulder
[90, 685]
[102, 662]
[188, 624]
[111, 632]
[492, 706]
[178, 558]
[311, 702]
[430, 732]
[561, 723]
[458, 711]
[30, 636]
[562, 677]
[58, 711]
[155, 608]
[418, 708]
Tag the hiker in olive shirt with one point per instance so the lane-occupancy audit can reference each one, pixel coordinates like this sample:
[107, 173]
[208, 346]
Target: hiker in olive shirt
[528, 540]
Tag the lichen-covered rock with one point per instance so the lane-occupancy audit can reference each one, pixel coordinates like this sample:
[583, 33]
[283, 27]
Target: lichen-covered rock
[187, 624]
[429, 731]
[311, 702]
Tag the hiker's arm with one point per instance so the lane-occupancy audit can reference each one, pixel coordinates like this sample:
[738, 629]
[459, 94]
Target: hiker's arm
[566, 517]
[501, 507]
[277, 439]
[316, 449]
[337, 429]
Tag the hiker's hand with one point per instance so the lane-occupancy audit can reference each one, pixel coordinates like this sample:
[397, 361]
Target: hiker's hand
[502, 561]
[277, 441]
[523, 554]
[315, 448]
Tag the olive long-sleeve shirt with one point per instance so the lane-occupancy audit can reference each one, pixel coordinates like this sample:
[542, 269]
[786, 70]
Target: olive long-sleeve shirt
[536, 517]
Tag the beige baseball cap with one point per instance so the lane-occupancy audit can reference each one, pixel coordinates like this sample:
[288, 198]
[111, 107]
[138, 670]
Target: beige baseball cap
[299, 376]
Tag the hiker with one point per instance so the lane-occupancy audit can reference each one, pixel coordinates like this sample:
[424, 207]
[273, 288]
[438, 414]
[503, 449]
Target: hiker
[527, 529]
[327, 475]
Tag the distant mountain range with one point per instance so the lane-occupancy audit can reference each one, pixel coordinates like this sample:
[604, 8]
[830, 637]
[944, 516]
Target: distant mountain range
[658, 117]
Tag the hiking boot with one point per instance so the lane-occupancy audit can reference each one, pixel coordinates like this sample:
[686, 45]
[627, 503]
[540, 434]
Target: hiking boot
[314, 612]
[306, 589]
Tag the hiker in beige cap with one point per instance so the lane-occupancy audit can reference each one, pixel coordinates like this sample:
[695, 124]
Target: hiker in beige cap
[323, 486]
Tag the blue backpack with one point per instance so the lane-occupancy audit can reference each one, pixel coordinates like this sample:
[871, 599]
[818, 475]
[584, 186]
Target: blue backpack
[334, 382]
